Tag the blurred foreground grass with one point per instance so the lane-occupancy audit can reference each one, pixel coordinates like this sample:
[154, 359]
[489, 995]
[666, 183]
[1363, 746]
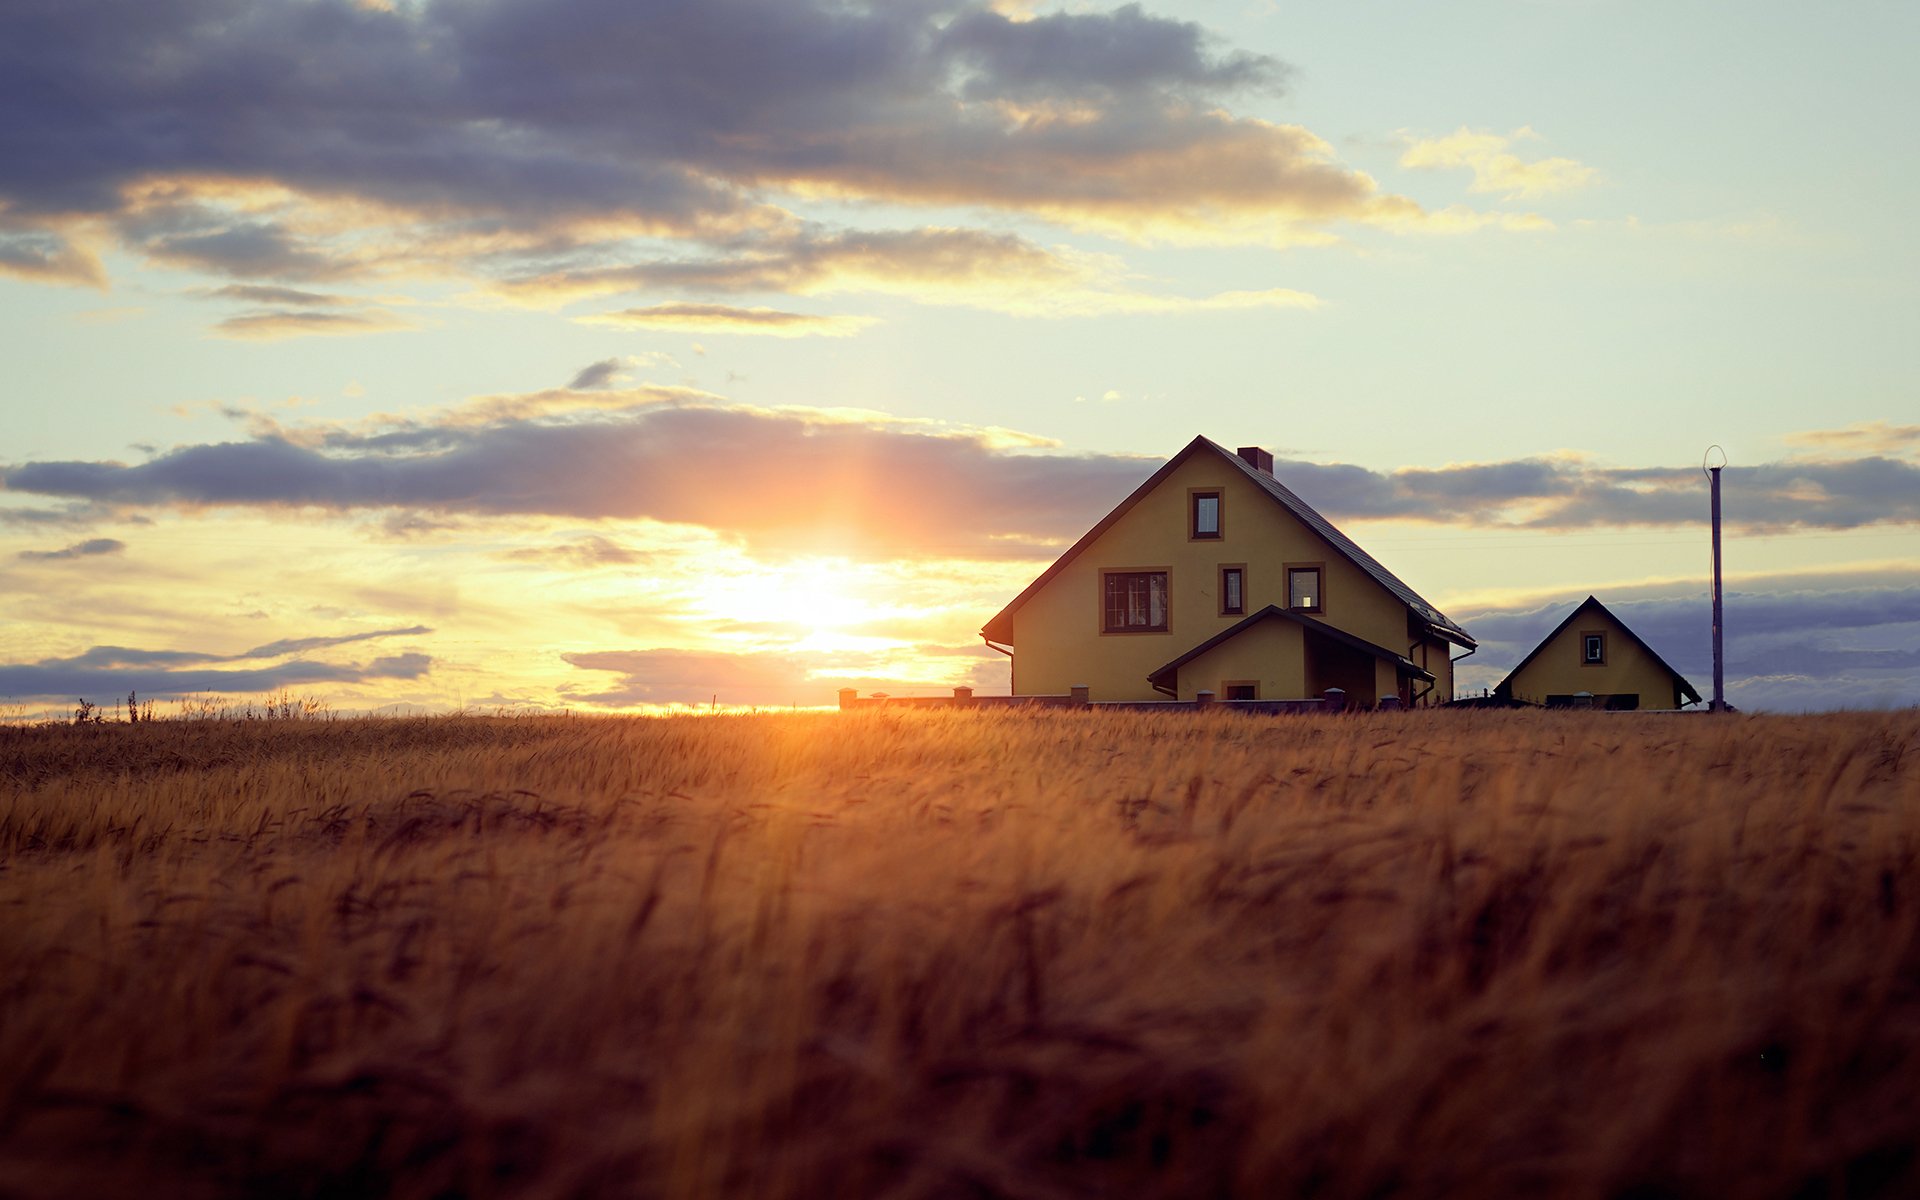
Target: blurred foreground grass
[924, 954]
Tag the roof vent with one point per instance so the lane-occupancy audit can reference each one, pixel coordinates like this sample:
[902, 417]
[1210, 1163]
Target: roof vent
[1256, 458]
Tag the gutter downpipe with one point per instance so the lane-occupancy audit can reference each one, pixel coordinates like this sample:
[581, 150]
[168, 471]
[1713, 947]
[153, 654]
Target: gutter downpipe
[1454, 662]
[1415, 699]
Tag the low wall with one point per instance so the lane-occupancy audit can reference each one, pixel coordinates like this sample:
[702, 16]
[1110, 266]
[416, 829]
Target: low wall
[1335, 700]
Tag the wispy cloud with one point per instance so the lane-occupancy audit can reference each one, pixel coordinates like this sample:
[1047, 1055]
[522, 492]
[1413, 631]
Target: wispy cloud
[724, 318]
[49, 258]
[161, 674]
[104, 657]
[1495, 165]
[40, 681]
[91, 548]
[584, 553]
[766, 677]
[999, 272]
[276, 325]
[1871, 437]
[257, 293]
[1570, 493]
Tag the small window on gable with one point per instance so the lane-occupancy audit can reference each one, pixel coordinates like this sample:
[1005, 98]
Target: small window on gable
[1233, 591]
[1303, 589]
[1206, 515]
[1593, 649]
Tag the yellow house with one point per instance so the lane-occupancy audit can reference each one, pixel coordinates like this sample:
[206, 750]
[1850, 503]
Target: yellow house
[1593, 654]
[1213, 576]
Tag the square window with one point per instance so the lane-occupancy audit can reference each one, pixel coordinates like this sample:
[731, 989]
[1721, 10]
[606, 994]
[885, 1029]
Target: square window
[1233, 591]
[1243, 691]
[1303, 589]
[1133, 602]
[1206, 515]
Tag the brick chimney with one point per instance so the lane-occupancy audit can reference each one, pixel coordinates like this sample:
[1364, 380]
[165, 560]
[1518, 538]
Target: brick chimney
[1256, 458]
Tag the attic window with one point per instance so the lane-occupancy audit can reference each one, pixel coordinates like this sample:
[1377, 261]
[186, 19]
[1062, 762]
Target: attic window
[1206, 514]
[1593, 649]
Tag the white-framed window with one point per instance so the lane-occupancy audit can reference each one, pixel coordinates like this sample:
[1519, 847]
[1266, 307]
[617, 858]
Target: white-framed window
[1233, 591]
[1303, 589]
[1133, 602]
[1205, 515]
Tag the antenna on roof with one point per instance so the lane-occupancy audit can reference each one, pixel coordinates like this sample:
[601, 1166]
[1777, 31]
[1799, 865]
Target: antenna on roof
[1712, 469]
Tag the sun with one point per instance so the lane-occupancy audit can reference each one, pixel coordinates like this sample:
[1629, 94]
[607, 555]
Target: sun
[821, 599]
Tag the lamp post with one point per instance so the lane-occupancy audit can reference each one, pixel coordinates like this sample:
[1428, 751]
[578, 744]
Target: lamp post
[1712, 469]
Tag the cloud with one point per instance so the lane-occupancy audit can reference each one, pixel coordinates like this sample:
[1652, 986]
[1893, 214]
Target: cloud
[162, 674]
[1101, 54]
[1796, 642]
[699, 677]
[611, 372]
[695, 677]
[584, 553]
[47, 681]
[863, 483]
[1495, 167]
[277, 324]
[107, 657]
[1870, 437]
[45, 258]
[808, 262]
[469, 139]
[597, 375]
[255, 293]
[723, 318]
[87, 549]
[999, 272]
[802, 479]
[1561, 493]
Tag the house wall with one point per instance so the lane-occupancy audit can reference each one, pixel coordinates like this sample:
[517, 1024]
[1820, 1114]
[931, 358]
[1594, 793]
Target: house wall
[1434, 655]
[1056, 634]
[1386, 682]
[1273, 653]
[1557, 669]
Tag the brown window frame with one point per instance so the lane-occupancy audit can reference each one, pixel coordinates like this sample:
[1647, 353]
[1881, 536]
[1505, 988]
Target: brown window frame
[1227, 686]
[1194, 496]
[1593, 633]
[1286, 581]
[1166, 614]
[1241, 609]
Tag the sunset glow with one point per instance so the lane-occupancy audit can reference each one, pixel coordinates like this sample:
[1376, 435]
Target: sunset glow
[600, 358]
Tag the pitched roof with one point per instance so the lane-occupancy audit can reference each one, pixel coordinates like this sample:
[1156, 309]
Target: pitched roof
[1164, 675]
[997, 628]
[1592, 604]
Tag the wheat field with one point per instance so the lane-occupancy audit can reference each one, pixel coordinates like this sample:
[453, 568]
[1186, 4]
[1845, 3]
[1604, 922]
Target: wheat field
[962, 954]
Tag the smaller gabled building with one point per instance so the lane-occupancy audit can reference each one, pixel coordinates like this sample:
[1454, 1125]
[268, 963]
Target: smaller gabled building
[1592, 659]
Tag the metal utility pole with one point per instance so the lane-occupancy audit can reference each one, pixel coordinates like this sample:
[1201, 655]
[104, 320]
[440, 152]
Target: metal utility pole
[1712, 469]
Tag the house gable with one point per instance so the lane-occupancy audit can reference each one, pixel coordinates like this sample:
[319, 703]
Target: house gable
[1275, 647]
[1000, 627]
[1562, 664]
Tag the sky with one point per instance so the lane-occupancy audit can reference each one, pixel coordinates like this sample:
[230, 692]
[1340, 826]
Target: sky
[606, 355]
